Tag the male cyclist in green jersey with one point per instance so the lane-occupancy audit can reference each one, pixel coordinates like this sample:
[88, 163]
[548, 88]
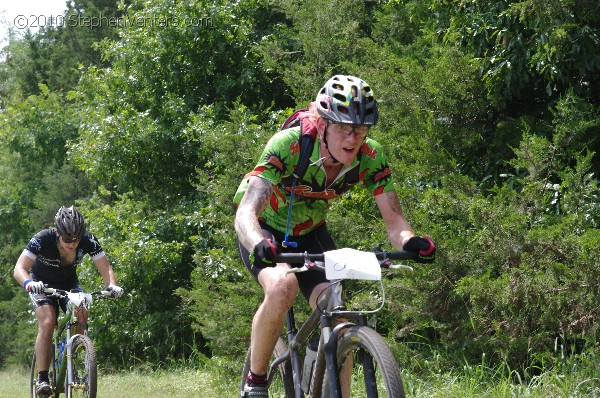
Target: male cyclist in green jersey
[343, 155]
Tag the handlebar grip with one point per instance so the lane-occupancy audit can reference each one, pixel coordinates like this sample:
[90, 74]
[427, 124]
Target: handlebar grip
[54, 291]
[397, 255]
[298, 258]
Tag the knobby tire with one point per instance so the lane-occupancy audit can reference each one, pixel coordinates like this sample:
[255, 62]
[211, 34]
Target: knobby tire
[85, 369]
[367, 340]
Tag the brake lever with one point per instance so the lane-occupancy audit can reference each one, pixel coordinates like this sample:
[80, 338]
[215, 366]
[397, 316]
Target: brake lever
[297, 269]
[401, 266]
[384, 262]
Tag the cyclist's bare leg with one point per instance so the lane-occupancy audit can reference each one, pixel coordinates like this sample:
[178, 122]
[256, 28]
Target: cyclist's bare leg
[280, 292]
[46, 317]
[82, 317]
[345, 375]
[314, 295]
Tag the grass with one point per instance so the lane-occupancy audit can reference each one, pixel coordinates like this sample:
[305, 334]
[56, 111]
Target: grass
[577, 377]
[572, 377]
[14, 383]
[177, 383]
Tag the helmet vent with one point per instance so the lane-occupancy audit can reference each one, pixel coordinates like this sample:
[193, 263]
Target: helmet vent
[342, 109]
[339, 97]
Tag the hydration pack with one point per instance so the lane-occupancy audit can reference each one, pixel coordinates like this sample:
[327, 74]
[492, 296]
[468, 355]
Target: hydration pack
[308, 136]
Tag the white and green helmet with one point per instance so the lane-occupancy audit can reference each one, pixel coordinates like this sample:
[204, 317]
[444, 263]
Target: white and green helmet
[347, 99]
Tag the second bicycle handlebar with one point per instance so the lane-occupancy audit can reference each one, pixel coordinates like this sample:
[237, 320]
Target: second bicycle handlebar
[63, 293]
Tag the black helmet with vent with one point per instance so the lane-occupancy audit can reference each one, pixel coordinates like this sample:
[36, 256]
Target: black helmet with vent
[69, 223]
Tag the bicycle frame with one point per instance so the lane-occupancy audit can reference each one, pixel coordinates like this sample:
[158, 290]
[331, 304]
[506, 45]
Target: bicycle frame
[326, 352]
[332, 318]
[65, 323]
[64, 370]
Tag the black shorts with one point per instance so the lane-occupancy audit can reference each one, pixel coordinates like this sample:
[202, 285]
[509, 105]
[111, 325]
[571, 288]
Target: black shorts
[315, 242]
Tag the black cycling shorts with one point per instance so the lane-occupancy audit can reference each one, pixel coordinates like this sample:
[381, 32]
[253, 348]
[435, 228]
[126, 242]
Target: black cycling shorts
[315, 242]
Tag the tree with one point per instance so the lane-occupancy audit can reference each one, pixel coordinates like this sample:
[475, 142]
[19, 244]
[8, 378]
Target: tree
[549, 47]
[57, 55]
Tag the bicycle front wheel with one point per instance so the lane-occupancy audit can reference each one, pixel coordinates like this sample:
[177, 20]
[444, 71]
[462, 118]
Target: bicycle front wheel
[84, 380]
[366, 366]
[283, 384]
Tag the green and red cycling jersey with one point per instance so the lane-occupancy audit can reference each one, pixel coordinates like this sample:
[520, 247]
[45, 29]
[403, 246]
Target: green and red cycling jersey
[312, 198]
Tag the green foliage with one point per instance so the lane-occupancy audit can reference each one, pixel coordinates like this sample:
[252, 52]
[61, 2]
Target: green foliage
[38, 129]
[200, 51]
[520, 46]
[16, 331]
[131, 150]
[223, 296]
[527, 288]
[64, 46]
[151, 252]
[139, 109]
[33, 136]
[489, 119]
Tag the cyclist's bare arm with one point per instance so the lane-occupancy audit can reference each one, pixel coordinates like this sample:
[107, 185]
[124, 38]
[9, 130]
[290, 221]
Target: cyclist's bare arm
[21, 271]
[105, 270]
[252, 204]
[399, 230]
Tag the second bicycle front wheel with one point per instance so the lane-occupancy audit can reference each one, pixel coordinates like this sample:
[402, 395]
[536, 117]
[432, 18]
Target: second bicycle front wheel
[366, 366]
[84, 381]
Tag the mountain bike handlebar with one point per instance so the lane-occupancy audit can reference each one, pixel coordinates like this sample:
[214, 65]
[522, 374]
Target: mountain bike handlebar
[315, 261]
[63, 293]
[382, 256]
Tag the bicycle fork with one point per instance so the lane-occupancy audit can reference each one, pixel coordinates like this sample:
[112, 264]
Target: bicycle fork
[331, 338]
[68, 355]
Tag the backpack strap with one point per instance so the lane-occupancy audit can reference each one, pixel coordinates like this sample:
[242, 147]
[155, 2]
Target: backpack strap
[308, 136]
[307, 143]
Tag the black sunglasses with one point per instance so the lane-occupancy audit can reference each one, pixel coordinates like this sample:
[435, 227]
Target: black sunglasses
[68, 239]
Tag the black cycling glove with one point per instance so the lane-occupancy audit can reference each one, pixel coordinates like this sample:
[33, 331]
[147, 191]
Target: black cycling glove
[425, 247]
[264, 254]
